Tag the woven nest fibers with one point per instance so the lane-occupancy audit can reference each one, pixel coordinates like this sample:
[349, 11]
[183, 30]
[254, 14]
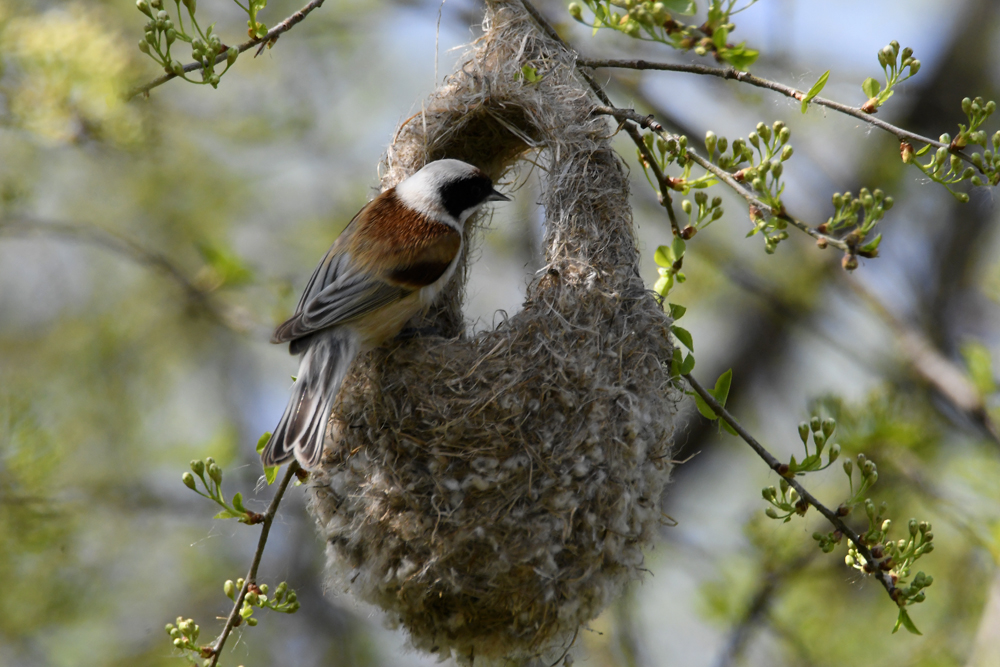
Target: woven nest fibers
[492, 493]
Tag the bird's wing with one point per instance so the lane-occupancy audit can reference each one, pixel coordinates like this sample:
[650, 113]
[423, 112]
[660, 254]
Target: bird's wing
[374, 263]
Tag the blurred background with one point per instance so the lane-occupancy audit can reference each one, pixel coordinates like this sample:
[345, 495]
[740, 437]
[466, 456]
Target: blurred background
[148, 247]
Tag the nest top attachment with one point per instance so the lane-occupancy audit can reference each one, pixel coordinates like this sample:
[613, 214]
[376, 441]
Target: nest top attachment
[493, 493]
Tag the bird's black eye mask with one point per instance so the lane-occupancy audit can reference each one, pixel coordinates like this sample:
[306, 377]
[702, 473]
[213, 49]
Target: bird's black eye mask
[465, 193]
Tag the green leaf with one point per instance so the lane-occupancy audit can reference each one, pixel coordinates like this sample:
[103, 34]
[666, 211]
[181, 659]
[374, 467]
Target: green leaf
[238, 503]
[677, 311]
[722, 385]
[225, 514]
[682, 7]
[870, 87]
[815, 90]
[687, 365]
[677, 248]
[663, 256]
[739, 56]
[727, 428]
[873, 244]
[271, 474]
[719, 37]
[530, 74]
[904, 620]
[663, 285]
[262, 441]
[923, 150]
[684, 336]
[704, 409]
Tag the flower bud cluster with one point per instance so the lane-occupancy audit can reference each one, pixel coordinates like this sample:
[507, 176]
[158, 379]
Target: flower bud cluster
[183, 634]
[653, 20]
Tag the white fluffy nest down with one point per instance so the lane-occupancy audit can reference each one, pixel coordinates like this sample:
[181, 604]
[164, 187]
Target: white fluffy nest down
[492, 493]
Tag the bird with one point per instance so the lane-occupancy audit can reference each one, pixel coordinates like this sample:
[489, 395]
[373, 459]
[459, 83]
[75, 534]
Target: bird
[388, 265]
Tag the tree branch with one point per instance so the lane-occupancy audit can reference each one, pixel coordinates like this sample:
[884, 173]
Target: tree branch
[774, 464]
[251, 579]
[745, 77]
[271, 35]
[230, 318]
[648, 122]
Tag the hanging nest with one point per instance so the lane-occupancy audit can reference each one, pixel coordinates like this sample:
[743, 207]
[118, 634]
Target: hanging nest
[492, 493]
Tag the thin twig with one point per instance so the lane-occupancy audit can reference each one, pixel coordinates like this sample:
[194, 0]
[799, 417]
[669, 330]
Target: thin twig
[789, 91]
[272, 34]
[773, 463]
[227, 317]
[664, 195]
[649, 123]
[234, 616]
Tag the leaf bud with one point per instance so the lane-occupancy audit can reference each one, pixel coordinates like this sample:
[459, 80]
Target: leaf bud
[849, 560]
[990, 107]
[144, 47]
[804, 431]
[764, 131]
[962, 197]
[171, 36]
[776, 169]
[894, 45]
[834, 453]
[188, 480]
[711, 140]
[192, 5]
[229, 588]
[976, 181]
[829, 425]
[966, 106]
[955, 163]
[178, 643]
[215, 472]
[143, 6]
[889, 54]
[716, 213]
[700, 197]
[886, 525]
[928, 536]
[251, 598]
[758, 184]
[771, 513]
[907, 52]
[177, 68]
[174, 632]
[156, 4]
[754, 139]
[914, 66]
[848, 466]
[686, 206]
[576, 11]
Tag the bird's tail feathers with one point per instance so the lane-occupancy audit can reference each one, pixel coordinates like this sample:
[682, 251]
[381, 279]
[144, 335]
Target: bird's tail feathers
[302, 428]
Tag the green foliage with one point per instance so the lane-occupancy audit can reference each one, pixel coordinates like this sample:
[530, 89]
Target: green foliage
[213, 491]
[815, 90]
[857, 216]
[657, 22]
[894, 557]
[207, 48]
[284, 600]
[893, 63]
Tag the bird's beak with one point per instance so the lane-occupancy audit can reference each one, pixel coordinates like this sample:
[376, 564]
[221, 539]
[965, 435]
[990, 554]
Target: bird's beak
[497, 196]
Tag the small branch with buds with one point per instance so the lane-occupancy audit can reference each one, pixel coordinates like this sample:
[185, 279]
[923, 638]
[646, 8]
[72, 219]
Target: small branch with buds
[729, 73]
[774, 464]
[758, 208]
[250, 582]
[269, 38]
